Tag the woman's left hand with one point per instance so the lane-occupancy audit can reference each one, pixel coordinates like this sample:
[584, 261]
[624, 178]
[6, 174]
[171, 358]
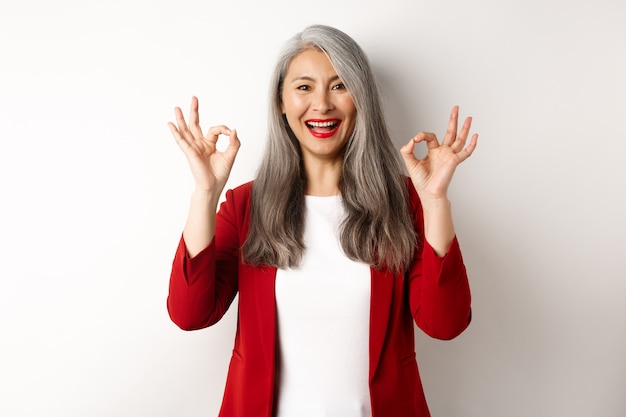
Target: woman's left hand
[431, 175]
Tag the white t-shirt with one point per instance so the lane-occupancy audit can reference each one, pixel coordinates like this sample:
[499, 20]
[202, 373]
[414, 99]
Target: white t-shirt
[323, 313]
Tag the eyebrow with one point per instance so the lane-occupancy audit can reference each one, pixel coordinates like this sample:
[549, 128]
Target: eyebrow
[309, 78]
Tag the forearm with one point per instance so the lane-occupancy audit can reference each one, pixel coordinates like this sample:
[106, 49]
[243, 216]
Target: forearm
[439, 293]
[200, 226]
[438, 225]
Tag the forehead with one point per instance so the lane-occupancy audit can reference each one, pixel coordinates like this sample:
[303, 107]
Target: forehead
[310, 63]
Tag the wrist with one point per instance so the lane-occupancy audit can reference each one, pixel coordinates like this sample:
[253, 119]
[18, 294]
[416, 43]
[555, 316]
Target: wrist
[433, 204]
[438, 225]
[209, 197]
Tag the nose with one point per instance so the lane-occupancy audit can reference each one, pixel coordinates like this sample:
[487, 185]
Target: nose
[322, 102]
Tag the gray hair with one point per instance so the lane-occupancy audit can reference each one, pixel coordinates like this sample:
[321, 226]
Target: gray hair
[378, 228]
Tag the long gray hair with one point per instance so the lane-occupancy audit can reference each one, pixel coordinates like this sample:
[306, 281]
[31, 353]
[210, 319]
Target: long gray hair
[378, 228]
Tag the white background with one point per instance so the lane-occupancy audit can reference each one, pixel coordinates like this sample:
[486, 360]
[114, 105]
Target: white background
[94, 192]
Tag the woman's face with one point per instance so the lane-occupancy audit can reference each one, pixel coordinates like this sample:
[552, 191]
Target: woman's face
[319, 109]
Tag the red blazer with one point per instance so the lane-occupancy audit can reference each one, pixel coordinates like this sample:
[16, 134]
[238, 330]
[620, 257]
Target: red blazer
[434, 293]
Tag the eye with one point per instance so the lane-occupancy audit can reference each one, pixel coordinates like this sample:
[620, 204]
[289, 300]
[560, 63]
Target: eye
[303, 87]
[339, 86]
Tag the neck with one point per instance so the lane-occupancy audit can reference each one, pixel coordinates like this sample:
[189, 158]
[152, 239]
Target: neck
[323, 179]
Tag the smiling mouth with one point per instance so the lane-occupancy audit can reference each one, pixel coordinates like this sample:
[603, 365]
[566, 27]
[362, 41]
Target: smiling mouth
[323, 128]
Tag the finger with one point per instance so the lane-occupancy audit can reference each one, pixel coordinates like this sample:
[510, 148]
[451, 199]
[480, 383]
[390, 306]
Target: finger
[407, 154]
[462, 138]
[215, 131]
[194, 118]
[182, 142]
[234, 139]
[180, 121]
[408, 148]
[173, 129]
[450, 136]
[429, 138]
[469, 149]
[233, 145]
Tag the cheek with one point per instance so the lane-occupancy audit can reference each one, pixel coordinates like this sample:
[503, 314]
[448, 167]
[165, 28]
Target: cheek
[351, 115]
[348, 107]
[289, 109]
[350, 111]
[291, 104]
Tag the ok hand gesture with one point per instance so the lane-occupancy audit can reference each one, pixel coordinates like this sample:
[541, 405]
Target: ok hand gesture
[431, 175]
[209, 167]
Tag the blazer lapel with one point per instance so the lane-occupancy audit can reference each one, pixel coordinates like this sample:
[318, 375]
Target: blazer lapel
[380, 307]
[265, 298]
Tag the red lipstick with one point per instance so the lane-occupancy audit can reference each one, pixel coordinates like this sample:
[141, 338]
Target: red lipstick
[323, 128]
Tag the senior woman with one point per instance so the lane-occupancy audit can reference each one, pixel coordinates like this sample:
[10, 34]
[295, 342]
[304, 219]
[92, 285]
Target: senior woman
[334, 252]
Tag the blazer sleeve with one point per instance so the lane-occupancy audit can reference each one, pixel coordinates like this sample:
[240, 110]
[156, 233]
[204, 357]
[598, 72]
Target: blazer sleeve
[438, 287]
[202, 288]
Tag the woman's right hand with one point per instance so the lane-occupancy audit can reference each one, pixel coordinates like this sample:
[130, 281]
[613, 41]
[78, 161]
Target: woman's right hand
[210, 168]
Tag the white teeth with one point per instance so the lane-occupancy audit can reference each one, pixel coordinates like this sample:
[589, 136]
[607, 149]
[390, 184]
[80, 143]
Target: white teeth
[321, 124]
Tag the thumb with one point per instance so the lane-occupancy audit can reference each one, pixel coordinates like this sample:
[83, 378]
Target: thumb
[233, 144]
[407, 152]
